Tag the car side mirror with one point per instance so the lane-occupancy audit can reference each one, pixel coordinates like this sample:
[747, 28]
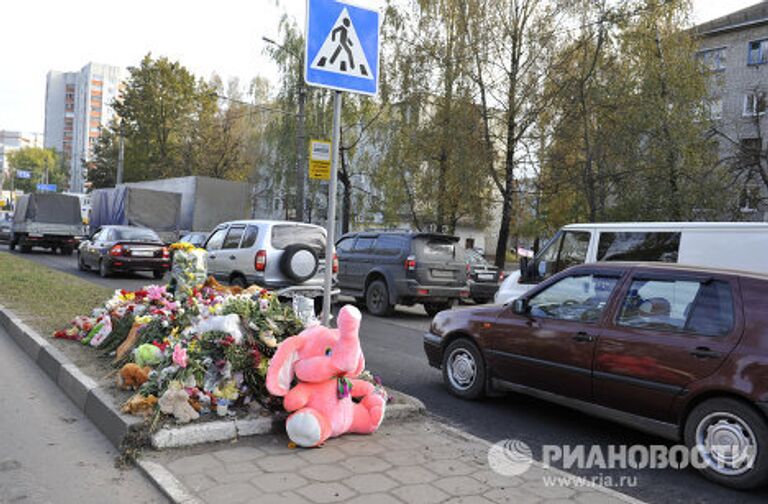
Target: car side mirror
[520, 306]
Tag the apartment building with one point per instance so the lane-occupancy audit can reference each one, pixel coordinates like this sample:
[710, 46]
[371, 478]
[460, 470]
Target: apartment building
[77, 106]
[735, 48]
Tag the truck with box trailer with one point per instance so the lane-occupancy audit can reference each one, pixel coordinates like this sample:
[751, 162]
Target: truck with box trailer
[126, 205]
[47, 220]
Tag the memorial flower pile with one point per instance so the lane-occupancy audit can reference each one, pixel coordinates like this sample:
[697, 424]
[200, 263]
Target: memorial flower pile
[192, 347]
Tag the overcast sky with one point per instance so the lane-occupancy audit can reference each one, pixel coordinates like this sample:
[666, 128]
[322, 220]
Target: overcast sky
[221, 36]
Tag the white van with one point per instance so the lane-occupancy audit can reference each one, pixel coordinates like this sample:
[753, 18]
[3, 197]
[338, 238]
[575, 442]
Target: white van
[731, 245]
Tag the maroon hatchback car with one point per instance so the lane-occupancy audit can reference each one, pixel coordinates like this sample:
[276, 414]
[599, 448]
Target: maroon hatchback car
[680, 352]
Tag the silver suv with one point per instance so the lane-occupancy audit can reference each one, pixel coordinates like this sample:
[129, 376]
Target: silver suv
[288, 257]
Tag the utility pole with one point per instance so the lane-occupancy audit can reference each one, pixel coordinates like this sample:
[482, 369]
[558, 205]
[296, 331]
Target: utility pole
[301, 145]
[120, 156]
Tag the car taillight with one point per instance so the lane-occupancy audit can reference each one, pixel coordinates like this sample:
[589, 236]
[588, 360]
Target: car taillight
[335, 263]
[469, 271]
[501, 276]
[116, 251]
[260, 262]
[166, 253]
[410, 263]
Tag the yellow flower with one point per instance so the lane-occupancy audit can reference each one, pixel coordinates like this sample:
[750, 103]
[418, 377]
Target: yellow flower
[145, 319]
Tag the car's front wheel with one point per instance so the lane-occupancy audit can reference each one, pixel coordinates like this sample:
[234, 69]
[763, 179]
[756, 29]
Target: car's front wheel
[730, 439]
[377, 299]
[103, 269]
[80, 263]
[464, 369]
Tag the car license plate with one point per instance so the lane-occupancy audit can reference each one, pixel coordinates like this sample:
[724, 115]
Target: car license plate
[485, 276]
[142, 253]
[438, 273]
[35, 235]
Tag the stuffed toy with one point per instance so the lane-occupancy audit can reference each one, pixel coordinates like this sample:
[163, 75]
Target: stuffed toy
[326, 363]
[140, 405]
[175, 401]
[131, 376]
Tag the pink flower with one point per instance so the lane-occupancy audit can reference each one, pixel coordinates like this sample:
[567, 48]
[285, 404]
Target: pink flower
[180, 356]
[155, 292]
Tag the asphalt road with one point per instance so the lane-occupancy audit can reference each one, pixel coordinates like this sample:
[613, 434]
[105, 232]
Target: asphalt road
[393, 350]
[50, 452]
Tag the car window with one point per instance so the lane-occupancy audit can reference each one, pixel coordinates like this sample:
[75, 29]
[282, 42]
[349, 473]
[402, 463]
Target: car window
[638, 246]
[435, 249]
[345, 245]
[133, 234]
[573, 251]
[289, 234]
[363, 244]
[581, 298]
[249, 238]
[388, 245]
[476, 258]
[704, 308]
[216, 239]
[232, 240]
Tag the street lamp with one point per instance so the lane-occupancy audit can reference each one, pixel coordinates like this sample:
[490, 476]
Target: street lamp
[301, 142]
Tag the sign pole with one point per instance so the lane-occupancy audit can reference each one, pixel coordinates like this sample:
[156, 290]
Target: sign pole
[331, 226]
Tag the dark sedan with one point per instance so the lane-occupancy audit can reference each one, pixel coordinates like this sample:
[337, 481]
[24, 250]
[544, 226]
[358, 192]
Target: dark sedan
[124, 248]
[482, 277]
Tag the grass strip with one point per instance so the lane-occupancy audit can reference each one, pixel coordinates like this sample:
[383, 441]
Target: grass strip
[44, 298]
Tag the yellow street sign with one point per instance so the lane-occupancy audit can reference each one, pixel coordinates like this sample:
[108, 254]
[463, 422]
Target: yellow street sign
[319, 160]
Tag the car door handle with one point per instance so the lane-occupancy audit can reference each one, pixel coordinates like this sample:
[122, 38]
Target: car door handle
[583, 337]
[232, 258]
[212, 256]
[532, 323]
[705, 353]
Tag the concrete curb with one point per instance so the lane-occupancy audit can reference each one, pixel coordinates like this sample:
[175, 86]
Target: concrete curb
[167, 483]
[95, 402]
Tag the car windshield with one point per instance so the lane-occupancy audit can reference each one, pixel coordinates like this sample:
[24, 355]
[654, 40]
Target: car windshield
[137, 234]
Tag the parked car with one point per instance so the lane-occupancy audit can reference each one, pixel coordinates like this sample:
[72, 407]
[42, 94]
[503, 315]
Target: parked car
[710, 244]
[482, 277]
[383, 269]
[124, 248]
[196, 239]
[681, 352]
[288, 257]
[6, 221]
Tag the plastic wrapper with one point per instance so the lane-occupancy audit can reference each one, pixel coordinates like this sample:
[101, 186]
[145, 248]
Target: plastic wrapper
[189, 269]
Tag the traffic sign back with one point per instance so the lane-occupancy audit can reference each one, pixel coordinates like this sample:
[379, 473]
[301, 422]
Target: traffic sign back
[342, 50]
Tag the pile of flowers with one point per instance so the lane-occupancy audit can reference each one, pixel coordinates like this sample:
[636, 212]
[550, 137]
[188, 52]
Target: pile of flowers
[192, 347]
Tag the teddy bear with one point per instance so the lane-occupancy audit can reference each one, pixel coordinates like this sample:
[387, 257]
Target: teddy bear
[131, 376]
[175, 401]
[140, 405]
[326, 363]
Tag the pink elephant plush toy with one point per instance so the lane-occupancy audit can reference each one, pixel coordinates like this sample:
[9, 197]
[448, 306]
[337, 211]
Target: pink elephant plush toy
[325, 363]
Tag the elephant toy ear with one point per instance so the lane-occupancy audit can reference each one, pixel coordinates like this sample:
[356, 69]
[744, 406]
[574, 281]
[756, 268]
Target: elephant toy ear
[280, 372]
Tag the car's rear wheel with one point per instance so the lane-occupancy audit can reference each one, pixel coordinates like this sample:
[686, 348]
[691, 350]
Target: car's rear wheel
[66, 250]
[12, 245]
[464, 369]
[731, 440]
[377, 299]
[481, 300]
[433, 309]
[238, 281]
[158, 274]
[103, 269]
[25, 249]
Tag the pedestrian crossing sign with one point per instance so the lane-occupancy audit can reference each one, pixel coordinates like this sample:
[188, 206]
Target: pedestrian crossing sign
[342, 50]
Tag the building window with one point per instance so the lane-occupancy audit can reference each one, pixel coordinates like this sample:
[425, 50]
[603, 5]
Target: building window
[716, 109]
[713, 59]
[749, 151]
[758, 52]
[754, 104]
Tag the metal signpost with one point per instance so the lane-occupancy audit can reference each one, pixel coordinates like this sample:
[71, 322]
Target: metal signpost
[342, 53]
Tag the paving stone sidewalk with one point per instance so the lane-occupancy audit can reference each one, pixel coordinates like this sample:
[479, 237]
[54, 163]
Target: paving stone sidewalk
[422, 461]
